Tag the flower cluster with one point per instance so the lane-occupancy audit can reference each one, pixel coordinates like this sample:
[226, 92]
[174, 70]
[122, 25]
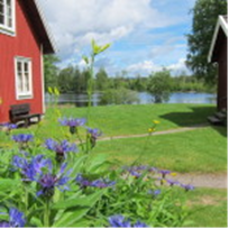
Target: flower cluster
[16, 219]
[61, 149]
[120, 221]
[40, 170]
[9, 127]
[22, 139]
[93, 134]
[72, 123]
[99, 183]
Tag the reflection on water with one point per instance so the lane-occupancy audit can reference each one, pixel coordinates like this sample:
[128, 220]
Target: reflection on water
[81, 100]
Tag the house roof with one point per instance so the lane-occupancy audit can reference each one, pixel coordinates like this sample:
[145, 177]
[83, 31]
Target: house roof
[37, 19]
[221, 30]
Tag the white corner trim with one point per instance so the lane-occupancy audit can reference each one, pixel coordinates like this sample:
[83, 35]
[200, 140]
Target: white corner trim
[42, 80]
[220, 23]
[44, 21]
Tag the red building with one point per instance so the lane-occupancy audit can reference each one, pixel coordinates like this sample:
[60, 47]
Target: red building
[218, 54]
[24, 39]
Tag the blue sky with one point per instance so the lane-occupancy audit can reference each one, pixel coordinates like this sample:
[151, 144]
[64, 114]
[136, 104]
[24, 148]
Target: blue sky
[146, 35]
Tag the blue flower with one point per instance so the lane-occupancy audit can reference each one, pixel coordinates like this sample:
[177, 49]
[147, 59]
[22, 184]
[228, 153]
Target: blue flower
[140, 224]
[187, 187]
[119, 221]
[9, 127]
[49, 181]
[31, 170]
[172, 182]
[93, 135]
[73, 123]
[99, 183]
[60, 148]
[16, 219]
[22, 138]
[164, 172]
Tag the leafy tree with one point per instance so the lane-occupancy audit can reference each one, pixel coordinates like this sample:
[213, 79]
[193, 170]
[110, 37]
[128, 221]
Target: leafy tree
[159, 86]
[50, 71]
[205, 15]
[102, 80]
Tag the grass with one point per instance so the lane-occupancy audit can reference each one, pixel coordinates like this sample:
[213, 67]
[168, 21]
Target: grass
[208, 207]
[203, 150]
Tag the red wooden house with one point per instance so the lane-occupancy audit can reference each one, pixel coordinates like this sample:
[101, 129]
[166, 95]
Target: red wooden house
[24, 39]
[218, 54]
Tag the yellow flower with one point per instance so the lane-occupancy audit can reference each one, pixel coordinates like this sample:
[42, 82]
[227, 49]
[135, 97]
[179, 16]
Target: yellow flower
[173, 174]
[156, 121]
[150, 130]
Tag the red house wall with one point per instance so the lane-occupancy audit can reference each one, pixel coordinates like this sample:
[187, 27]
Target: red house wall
[23, 44]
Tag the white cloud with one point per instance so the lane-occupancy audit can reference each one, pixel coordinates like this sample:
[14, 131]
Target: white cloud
[75, 22]
[146, 67]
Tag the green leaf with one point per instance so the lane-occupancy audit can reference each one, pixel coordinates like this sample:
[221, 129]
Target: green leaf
[105, 47]
[88, 201]
[9, 184]
[86, 59]
[50, 90]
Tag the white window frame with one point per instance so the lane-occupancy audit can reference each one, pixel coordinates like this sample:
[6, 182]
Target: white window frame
[4, 28]
[24, 94]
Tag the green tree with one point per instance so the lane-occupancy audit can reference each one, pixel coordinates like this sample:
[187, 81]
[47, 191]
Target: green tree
[50, 71]
[102, 80]
[159, 86]
[205, 15]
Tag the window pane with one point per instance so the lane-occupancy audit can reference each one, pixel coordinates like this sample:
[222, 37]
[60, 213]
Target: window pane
[19, 67]
[20, 83]
[1, 12]
[9, 13]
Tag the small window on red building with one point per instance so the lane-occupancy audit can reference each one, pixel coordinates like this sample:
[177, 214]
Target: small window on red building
[23, 73]
[7, 16]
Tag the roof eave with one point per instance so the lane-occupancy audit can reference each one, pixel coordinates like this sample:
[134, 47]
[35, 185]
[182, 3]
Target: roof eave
[53, 48]
[221, 23]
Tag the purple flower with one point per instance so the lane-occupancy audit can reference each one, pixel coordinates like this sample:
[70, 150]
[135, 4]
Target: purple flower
[172, 182]
[9, 127]
[119, 221]
[31, 170]
[73, 123]
[22, 138]
[187, 187]
[93, 135]
[154, 193]
[48, 182]
[99, 183]
[164, 172]
[140, 224]
[60, 148]
[16, 219]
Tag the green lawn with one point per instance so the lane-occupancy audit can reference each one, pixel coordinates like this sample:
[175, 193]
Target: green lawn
[208, 207]
[202, 150]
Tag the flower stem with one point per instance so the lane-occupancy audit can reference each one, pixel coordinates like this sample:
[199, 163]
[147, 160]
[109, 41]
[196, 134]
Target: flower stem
[46, 213]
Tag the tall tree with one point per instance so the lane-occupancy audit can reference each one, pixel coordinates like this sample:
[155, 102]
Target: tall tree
[205, 15]
[50, 71]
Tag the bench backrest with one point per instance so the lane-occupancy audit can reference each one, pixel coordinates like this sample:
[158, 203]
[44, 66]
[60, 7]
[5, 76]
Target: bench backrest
[19, 109]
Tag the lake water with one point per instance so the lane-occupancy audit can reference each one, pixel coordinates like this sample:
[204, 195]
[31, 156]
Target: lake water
[144, 98]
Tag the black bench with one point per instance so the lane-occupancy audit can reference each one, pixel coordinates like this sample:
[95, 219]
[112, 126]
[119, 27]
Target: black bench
[21, 112]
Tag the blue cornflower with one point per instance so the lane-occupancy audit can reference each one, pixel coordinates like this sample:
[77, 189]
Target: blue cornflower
[22, 138]
[154, 192]
[31, 170]
[140, 224]
[99, 183]
[16, 219]
[60, 148]
[49, 181]
[73, 123]
[187, 187]
[9, 127]
[119, 221]
[93, 135]
[172, 182]
[164, 172]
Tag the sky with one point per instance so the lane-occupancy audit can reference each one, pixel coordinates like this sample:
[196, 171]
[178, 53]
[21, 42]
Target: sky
[145, 35]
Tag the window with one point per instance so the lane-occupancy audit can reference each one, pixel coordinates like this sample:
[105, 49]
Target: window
[23, 72]
[7, 11]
